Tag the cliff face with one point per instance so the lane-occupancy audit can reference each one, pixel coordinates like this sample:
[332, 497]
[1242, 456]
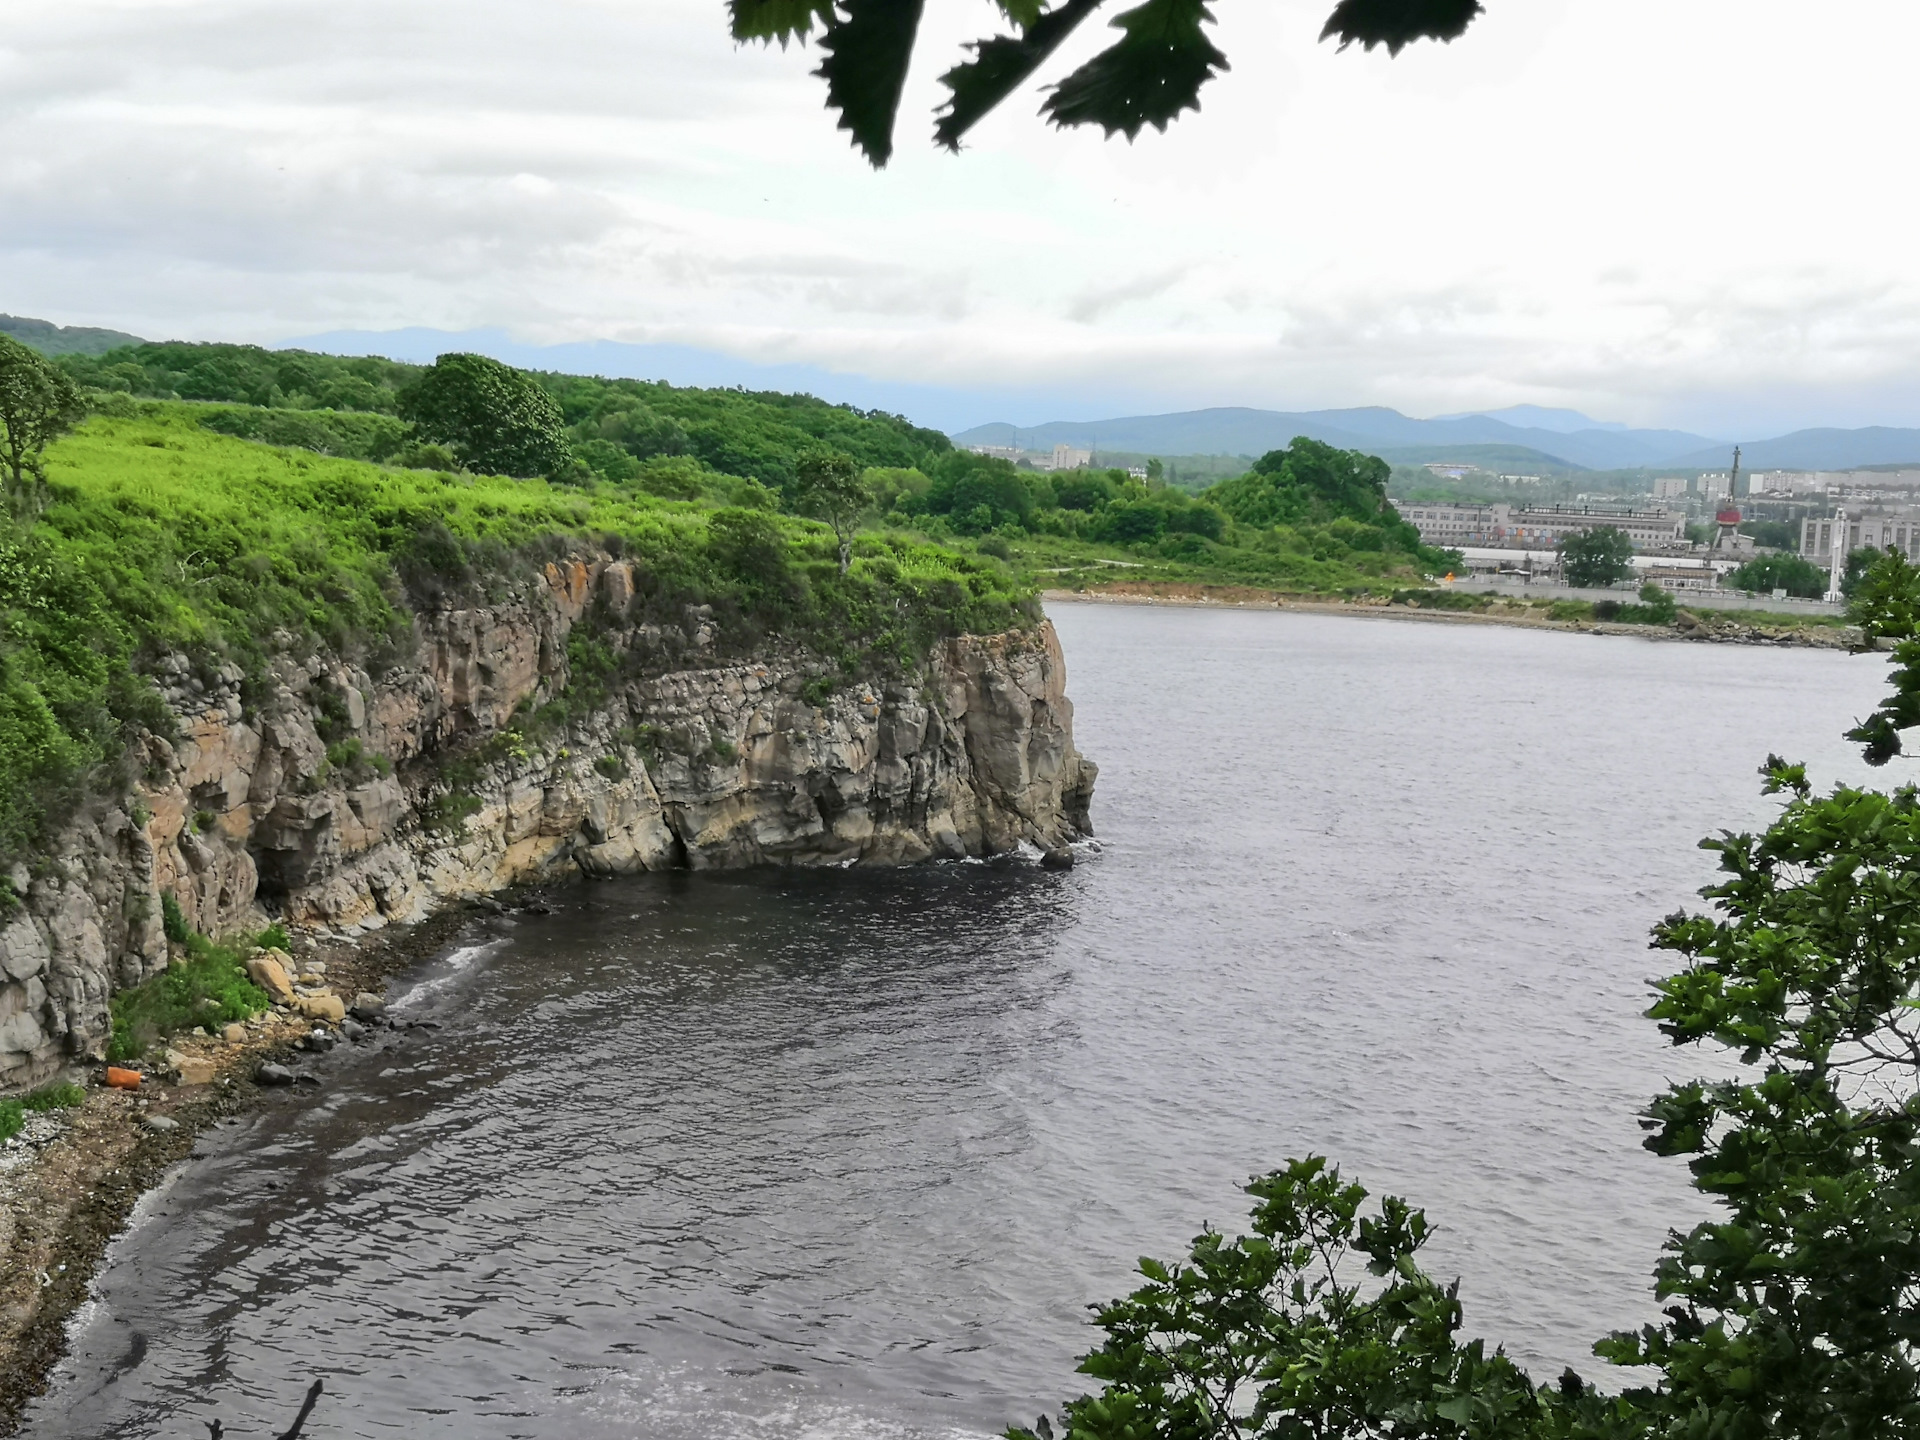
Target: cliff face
[433, 792]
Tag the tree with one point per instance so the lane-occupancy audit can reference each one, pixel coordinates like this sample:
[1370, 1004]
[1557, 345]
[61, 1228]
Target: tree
[1598, 556]
[828, 484]
[38, 404]
[493, 417]
[1794, 1311]
[1781, 572]
[1147, 77]
[1274, 1334]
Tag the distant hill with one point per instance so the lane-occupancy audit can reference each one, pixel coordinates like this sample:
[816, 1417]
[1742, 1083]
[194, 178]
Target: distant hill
[51, 339]
[1823, 449]
[1242, 431]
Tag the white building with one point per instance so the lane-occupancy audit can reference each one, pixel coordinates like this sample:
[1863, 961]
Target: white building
[1885, 529]
[1670, 487]
[1066, 457]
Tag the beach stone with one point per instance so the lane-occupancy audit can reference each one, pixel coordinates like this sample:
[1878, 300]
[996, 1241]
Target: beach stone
[271, 976]
[234, 1033]
[321, 1007]
[353, 1029]
[1059, 858]
[368, 1007]
[160, 1124]
[273, 1075]
[195, 1070]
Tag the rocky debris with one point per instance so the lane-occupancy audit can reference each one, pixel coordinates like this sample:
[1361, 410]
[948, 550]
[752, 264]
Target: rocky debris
[234, 1034]
[268, 970]
[353, 1030]
[160, 1124]
[303, 1078]
[271, 1074]
[368, 1008]
[719, 766]
[316, 1040]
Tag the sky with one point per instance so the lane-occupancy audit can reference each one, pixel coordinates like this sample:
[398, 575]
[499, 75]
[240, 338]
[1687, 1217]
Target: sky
[1694, 215]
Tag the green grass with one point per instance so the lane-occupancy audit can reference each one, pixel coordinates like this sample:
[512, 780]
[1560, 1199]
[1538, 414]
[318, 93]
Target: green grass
[209, 987]
[13, 1113]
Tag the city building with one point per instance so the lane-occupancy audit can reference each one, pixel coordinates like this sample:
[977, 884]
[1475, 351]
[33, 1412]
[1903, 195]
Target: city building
[1542, 527]
[1669, 487]
[1882, 529]
[1066, 457]
[998, 452]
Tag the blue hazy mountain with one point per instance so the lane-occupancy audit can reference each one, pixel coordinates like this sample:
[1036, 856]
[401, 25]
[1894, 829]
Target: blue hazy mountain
[1240, 431]
[1822, 449]
[1540, 417]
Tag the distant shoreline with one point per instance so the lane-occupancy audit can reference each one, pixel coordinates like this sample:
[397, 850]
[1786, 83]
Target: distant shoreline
[1714, 629]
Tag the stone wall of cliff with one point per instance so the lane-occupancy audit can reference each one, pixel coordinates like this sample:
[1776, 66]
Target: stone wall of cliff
[438, 788]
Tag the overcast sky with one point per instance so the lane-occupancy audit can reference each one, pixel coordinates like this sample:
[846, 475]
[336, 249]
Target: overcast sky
[1696, 213]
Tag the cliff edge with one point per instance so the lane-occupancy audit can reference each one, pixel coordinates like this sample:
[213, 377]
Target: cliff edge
[330, 798]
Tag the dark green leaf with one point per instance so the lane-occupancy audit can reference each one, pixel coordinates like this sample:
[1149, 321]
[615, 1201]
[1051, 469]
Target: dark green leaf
[1000, 65]
[868, 49]
[1398, 23]
[1153, 73]
[781, 20]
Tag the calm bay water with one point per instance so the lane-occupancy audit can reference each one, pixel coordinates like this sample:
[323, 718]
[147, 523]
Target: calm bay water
[848, 1154]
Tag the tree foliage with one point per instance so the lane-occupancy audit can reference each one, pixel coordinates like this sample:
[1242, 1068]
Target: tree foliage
[1767, 573]
[1319, 1322]
[495, 418]
[828, 485]
[1309, 480]
[1599, 556]
[38, 404]
[1151, 73]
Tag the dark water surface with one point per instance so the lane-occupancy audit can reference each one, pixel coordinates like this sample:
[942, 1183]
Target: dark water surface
[847, 1154]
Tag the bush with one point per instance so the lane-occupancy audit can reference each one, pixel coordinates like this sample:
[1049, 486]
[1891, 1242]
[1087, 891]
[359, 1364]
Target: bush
[210, 987]
[172, 921]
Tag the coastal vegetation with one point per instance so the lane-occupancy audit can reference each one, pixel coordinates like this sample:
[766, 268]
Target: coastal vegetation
[13, 1113]
[161, 535]
[207, 986]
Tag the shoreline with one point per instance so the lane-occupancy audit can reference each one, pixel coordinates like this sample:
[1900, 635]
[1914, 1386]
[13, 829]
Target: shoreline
[1715, 631]
[69, 1182]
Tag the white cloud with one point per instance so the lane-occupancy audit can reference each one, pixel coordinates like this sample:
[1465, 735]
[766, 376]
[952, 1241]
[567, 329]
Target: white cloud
[1668, 214]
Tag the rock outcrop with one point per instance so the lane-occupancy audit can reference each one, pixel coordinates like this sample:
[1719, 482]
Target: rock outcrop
[345, 801]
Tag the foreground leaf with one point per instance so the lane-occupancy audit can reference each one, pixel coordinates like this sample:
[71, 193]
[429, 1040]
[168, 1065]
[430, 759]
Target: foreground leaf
[1149, 77]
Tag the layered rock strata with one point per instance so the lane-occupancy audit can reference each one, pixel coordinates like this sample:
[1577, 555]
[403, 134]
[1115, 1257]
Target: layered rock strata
[346, 801]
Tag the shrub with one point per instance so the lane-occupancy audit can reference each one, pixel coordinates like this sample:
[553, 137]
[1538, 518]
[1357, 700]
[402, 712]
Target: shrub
[172, 921]
[210, 987]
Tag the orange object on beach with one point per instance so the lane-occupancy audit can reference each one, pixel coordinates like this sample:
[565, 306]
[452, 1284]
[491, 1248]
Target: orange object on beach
[123, 1079]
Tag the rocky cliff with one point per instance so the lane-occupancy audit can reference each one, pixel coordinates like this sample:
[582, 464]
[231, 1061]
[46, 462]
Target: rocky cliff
[332, 798]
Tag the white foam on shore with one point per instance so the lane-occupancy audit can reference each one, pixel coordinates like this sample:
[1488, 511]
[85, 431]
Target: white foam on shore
[446, 974]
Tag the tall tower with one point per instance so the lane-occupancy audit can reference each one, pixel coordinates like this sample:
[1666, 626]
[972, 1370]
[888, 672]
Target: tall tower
[1837, 557]
[1726, 539]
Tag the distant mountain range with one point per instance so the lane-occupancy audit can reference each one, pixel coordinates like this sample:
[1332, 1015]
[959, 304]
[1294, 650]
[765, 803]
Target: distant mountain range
[1552, 439]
